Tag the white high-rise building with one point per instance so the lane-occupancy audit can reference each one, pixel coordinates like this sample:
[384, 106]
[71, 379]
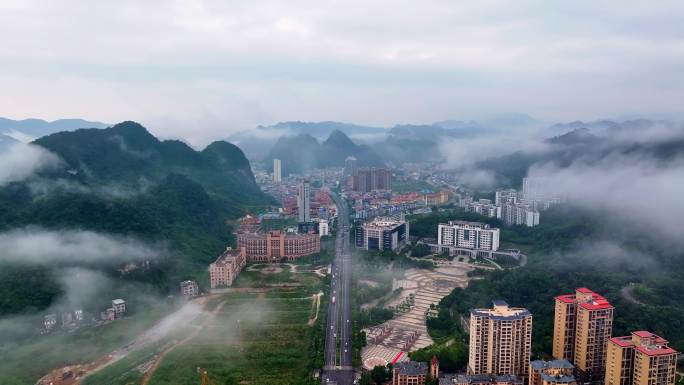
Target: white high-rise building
[517, 214]
[323, 228]
[277, 171]
[506, 196]
[303, 201]
[469, 235]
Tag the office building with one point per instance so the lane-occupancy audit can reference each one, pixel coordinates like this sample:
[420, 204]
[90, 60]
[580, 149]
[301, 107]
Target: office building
[555, 372]
[227, 266]
[277, 171]
[469, 235]
[275, 246]
[382, 234]
[583, 323]
[640, 359]
[500, 340]
[304, 201]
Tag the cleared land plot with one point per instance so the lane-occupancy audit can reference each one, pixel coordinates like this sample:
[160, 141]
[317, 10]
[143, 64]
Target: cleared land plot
[253, 339]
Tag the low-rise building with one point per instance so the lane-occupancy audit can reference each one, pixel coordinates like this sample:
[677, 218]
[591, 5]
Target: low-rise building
[277, 245]
[409, 373]
[227, 266]
[555, 372]
[119, 306]
[382, 234]
[642, 358]
[189, 289]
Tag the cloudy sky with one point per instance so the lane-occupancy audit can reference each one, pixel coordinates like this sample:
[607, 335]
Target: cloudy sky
[200, 69]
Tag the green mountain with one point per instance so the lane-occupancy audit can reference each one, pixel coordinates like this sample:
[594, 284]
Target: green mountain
[122, 180]
[303, 152]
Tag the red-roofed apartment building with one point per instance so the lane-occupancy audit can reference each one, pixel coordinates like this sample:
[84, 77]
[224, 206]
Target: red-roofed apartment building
[582, 327]
[640, 359]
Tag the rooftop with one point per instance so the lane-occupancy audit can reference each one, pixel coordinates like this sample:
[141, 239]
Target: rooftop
[118, 301]
[411, 368]
[502, 311]
[553, 364]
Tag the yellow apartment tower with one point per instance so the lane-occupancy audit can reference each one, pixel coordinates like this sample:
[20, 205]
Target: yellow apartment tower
[582, 327]
[640, 359]
[500, 340]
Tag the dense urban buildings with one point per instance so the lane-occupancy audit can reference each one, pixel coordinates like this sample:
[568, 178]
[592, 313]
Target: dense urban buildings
[304, 201]
[555, 372]
[382, 234]
[500, 340]
[469, 235]
[227, 266]
[276, 245]
[583, 324]
[277, 171]
[189, 289]
[642, 358]
[368, 179]
[409, 373]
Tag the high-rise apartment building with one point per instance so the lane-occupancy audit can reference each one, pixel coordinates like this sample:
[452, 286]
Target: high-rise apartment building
[640, 359]
[350, 166]
[582, 327]
[500, 340]
[469, 235]
[304, 201]
[505, 196]
[517, 214]
[277, 171]
[369, 179]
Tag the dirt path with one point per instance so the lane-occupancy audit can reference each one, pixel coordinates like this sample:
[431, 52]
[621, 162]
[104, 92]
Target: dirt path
[159, 358]
[317, 304]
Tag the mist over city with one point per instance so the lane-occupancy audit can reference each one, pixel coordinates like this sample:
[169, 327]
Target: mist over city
[337, 193]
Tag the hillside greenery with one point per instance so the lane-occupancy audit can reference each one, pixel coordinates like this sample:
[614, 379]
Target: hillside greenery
[122, 180]
[574, 248]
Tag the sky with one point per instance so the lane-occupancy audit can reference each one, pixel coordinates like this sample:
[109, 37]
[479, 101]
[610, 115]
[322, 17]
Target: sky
[199, 69]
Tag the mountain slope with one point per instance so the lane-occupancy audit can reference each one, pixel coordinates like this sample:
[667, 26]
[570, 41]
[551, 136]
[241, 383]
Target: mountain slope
[123, 181]
[303, 152]
[35, 128]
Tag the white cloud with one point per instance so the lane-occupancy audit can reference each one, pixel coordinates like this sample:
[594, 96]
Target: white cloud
[22, 160]
[35, 245]
[640, 191]
[206, 68]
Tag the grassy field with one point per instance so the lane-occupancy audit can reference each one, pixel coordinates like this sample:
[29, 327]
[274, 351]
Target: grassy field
[26, 361]
[260, 336]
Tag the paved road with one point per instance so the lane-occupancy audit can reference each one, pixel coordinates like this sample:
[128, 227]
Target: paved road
[338, 353]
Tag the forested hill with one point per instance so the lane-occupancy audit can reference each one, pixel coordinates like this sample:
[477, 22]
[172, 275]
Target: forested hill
[122, 181]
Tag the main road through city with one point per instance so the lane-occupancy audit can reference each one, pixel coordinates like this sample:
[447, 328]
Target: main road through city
[338, 353]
